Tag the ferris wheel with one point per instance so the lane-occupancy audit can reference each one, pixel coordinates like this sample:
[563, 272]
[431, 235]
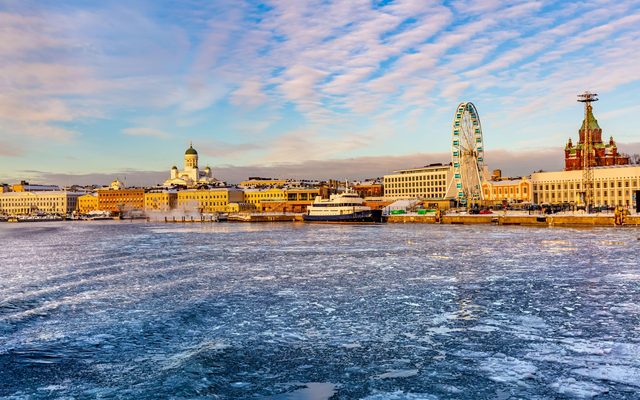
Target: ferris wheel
[467, 154]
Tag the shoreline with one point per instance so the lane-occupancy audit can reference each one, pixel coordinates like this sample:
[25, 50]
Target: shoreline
[542, 221]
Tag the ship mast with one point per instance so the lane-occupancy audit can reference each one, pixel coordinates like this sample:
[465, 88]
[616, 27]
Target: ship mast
[587, 151]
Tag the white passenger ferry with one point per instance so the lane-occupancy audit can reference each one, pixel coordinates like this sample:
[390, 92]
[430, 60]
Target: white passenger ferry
[344, 207]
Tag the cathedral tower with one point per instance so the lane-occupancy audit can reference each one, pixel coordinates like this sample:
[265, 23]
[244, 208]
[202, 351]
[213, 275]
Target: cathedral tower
[190, 158]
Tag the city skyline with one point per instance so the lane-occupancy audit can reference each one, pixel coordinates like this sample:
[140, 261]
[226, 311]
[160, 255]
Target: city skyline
[304, 89]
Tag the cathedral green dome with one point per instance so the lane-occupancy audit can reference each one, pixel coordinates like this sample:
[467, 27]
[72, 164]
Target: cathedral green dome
[191, 151]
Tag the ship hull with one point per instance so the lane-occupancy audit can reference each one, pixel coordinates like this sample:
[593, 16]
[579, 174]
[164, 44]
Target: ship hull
[360, 216]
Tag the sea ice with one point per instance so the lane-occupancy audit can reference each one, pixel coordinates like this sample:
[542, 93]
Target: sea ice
[578, 389]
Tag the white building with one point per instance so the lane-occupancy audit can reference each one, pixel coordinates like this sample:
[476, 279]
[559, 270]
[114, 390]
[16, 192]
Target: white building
[613, 186]
[191, 176]
[51, 202]
[430, 182]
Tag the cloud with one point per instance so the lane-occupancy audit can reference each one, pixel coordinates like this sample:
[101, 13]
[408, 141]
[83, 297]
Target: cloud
[72, 66]
[249, 93]
[129, 176]
[149, 132]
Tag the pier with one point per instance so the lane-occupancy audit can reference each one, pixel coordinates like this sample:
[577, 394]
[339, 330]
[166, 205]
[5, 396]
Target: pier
[525, 220]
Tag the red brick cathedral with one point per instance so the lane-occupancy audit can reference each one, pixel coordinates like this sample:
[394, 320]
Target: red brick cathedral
[605, 154]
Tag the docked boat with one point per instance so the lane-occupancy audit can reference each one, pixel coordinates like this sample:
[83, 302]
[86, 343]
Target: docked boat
[344, 207]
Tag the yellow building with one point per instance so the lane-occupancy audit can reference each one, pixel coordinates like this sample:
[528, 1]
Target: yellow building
[430, 182]
[160, 200]
[296, 201]
[208, 200]
[256, 196]
[87, 203]
[509, 190]
[25, 203]
[613, 186]
[302, 194]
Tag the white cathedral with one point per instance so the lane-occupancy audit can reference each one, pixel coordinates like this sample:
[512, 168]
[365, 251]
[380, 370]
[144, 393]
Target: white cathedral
[191, 176]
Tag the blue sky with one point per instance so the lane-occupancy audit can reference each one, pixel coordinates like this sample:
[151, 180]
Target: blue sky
[115, 87]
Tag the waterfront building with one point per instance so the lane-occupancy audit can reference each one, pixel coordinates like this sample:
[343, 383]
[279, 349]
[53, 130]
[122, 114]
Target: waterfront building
[117, 198]
[256, 196]
[87, 203]
[208, 200]
[30, 202]
[191, 176]
[160, 200]
[604, 154]
[296, 201]
[519, 190]
[613, 186]
[369, 189]
[429, 182]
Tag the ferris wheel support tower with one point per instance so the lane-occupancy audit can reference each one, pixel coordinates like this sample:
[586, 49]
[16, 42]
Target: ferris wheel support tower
[587, 151]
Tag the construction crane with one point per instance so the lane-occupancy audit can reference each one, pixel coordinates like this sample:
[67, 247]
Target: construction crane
[587, 151]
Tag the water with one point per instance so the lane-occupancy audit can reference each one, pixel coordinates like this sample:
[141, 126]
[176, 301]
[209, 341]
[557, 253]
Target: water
[294, 311]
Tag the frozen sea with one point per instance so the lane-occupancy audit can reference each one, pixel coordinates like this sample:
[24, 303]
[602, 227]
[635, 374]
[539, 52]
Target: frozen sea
[295, 311]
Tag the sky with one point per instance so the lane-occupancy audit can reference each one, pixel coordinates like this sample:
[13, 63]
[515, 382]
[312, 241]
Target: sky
[304, 89]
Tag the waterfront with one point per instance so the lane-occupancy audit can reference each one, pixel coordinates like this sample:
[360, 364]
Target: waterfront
[295, 311]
